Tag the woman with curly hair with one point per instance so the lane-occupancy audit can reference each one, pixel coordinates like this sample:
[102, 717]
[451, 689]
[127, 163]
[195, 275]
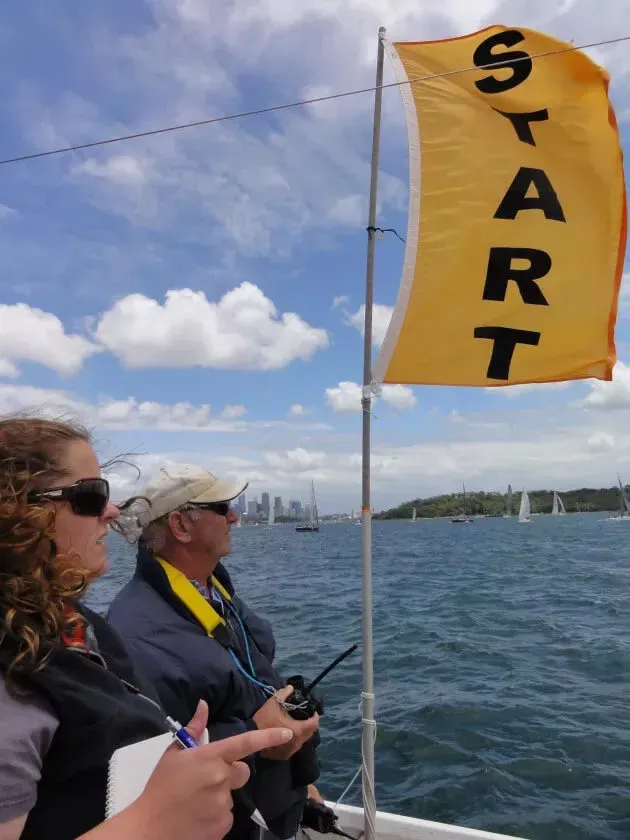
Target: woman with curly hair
[68, 694]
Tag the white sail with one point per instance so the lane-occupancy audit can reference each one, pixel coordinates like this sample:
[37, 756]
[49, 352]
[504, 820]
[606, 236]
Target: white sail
[554, 509]
[314, 516]
[272, 516]
[623, 514]
[525, 513]
[562, 511]
[414, 513]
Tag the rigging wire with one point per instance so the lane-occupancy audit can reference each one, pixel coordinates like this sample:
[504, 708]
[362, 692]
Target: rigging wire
[312, 101]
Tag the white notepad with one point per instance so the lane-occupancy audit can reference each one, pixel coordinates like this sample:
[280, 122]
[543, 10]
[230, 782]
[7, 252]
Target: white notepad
[130, 768]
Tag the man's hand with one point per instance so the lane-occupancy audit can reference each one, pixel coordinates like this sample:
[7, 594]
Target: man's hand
[271, 715]
[315, 795]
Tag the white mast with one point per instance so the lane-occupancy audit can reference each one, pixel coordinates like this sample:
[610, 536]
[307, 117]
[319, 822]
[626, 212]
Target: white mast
[367, 718]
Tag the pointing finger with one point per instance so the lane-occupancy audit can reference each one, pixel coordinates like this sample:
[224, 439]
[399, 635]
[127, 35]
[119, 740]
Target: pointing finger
[238, 746]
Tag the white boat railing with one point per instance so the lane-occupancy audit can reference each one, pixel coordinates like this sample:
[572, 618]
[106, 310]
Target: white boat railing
[398, 827]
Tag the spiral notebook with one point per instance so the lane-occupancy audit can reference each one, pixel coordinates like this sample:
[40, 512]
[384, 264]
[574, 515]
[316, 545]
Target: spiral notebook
[130, 768]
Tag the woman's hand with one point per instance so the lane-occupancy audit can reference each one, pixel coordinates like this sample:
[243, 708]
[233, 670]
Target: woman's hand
[189, 793]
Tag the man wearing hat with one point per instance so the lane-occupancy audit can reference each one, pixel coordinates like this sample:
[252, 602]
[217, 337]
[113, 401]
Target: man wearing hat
[194, 638]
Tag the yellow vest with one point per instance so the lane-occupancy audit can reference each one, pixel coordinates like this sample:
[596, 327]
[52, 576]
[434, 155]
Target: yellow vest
[203, 611]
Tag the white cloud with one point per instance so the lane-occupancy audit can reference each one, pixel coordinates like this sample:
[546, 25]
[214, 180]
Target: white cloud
[349, 210]
[601, 441]
[49, 402]
[512, 391]
[232, 412]
[32, 335]
[245, 183]
[346, 397]
[240, 184]
[123, 170]
[8, 369]
[147, 414]
[298, 410]
[7, 212]
[337, 301]
[116, 413]
[295, 460]
[242, 330]
[610, 395]
[381, 316]
[398, 397]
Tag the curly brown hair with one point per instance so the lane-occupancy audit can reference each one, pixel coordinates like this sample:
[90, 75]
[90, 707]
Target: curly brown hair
[36, 582]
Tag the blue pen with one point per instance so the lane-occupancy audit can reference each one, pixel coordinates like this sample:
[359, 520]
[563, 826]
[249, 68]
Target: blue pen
[184, 739]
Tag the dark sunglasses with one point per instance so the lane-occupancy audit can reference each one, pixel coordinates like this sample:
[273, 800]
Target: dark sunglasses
[87, 497]
[222, 508]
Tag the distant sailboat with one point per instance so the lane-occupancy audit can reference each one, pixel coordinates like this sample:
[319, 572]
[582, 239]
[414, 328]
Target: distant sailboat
[558, 506]
[272, 516]
[508, 507]
[525, 512]
[313, 523]
[414, 514]
[624, 506]
[462, 519]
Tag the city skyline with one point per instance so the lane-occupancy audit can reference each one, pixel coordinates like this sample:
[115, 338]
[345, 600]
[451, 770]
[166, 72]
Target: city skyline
[249, 507]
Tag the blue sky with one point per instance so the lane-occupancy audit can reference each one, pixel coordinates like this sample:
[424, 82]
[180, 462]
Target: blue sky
[196, 295]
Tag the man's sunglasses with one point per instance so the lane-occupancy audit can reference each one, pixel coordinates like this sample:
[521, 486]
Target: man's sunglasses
[87, 497]
[222, 508]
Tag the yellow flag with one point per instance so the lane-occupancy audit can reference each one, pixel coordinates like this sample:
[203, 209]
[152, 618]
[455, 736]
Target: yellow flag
[517, 215]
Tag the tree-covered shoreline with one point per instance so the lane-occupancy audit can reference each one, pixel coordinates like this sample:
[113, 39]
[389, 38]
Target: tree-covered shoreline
[495, 504]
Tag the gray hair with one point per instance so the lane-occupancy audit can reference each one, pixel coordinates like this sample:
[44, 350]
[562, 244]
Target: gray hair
[155, 533]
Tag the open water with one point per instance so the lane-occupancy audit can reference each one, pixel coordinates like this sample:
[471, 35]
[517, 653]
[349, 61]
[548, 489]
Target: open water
[502, 663]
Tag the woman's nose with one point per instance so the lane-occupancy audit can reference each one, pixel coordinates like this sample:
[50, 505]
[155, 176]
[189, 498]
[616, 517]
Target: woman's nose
[111, 512]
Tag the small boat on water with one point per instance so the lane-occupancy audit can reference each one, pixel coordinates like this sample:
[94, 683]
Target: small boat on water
[623, 513]
[525, 512]
[462, 519]
[558, 505]
[313, 522]
[508, 507]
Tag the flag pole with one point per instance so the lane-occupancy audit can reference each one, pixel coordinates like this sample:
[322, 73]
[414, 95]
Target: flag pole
[368, 723]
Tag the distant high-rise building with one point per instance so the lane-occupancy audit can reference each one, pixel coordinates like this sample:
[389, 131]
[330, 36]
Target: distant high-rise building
[241, 504]
[252, 508]
[295, 506]
[277, 505]
[264, 502]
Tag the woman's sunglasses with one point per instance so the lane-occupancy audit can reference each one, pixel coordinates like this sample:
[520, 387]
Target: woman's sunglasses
[87, 497]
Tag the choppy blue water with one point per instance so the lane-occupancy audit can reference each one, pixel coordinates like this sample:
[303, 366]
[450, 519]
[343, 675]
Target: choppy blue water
[502, 663]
